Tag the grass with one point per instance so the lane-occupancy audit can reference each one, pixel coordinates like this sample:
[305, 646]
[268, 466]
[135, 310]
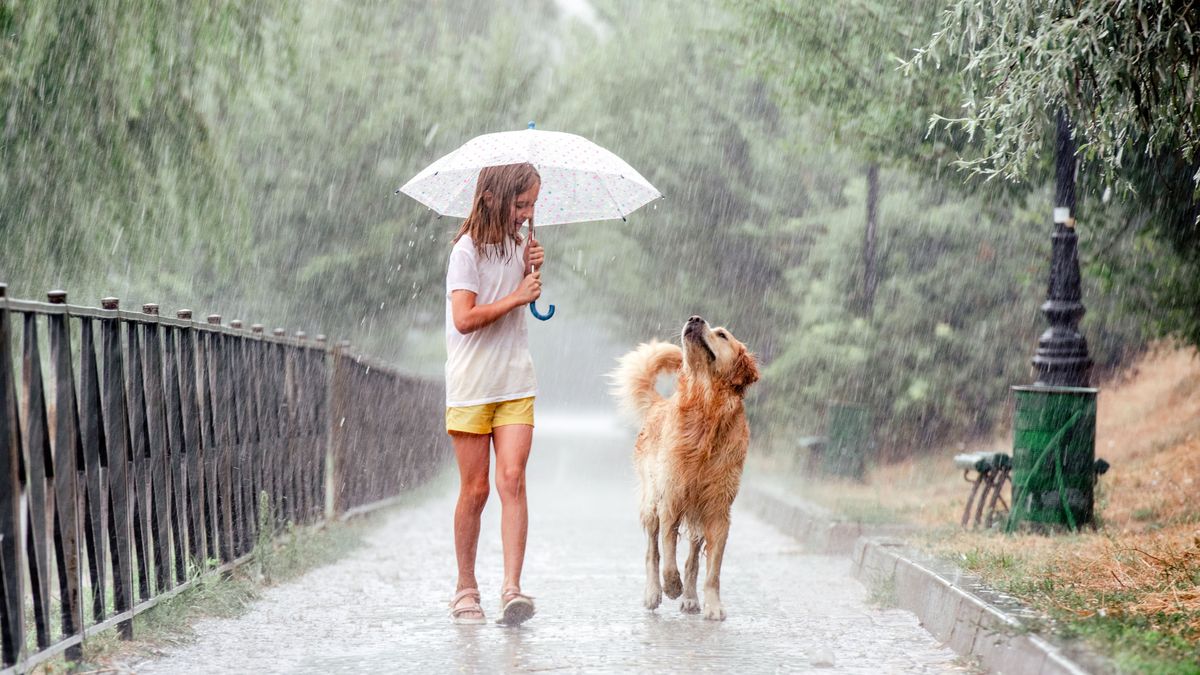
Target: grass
[881, 592]
[1140, 649]
[1128, 603]
[1131, 588]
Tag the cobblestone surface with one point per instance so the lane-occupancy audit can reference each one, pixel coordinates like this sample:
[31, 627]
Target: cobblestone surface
[383, 608]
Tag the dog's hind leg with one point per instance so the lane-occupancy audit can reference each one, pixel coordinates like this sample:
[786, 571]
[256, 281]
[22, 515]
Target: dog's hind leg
[669, 524]
[653, 595]
[715, 534]
[691, 570]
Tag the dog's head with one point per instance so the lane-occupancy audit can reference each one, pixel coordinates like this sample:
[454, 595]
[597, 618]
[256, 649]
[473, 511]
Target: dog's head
[714, 353]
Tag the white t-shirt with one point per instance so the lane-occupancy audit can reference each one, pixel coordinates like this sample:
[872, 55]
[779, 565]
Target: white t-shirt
[492, 363]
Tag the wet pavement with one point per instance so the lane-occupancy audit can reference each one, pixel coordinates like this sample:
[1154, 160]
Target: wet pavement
[383, 608]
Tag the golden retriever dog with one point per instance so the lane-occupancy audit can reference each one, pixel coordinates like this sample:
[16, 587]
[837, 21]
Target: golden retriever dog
[689, 453]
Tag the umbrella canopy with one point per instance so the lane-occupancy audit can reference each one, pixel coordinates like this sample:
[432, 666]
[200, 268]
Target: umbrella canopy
[581, 181]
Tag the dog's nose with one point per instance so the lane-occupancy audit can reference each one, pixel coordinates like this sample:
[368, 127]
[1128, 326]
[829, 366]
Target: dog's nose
[695, 319]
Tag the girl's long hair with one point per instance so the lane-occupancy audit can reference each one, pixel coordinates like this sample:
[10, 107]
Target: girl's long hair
[489, 226]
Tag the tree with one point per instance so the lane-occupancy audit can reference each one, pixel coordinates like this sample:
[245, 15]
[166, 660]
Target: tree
[840, 59]
[112, 168]
[359, 98]
[715, 143]
[1126, 74]
[956, 295]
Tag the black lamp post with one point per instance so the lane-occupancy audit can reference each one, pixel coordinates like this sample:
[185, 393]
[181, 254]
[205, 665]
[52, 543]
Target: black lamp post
[1054, 425]
[1062, 355]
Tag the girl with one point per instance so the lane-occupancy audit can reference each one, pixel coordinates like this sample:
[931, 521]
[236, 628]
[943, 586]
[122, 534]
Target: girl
[490, 385]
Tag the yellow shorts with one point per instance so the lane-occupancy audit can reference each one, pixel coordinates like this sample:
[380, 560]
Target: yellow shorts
[481, 419]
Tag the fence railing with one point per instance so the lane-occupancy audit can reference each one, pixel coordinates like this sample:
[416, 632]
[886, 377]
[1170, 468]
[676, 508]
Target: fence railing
[159, 447]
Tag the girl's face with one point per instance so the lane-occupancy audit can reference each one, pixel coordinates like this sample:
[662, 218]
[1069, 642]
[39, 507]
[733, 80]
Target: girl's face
[522, 206]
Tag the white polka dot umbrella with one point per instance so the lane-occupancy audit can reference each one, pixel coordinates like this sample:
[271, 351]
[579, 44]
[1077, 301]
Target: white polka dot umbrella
[581, 181]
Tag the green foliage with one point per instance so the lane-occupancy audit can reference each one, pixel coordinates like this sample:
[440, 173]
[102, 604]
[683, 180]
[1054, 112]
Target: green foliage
[1125, 71]
[367, 98]
[247, 155]
[109, 164]
[842, 61]
[703, 136]
[951, 329]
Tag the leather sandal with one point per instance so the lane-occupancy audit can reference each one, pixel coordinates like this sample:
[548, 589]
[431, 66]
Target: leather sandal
[466, 602]
[516, 607]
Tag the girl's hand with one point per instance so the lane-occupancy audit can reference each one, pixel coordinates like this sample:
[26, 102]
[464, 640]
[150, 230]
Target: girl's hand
[534, 255]
[530, 288]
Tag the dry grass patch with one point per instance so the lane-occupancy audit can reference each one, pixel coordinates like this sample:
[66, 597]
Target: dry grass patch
[1132, 587]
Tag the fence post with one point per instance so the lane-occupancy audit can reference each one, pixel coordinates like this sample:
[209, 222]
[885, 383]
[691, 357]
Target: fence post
[139, 441]
[254, 441]
[40, 470]
[320, 426]
[332, 428]
[218, 364]
[343, 463]
[12, 563]
[67, 460]
[304, 397]
[120, 466]
[160, 479]
[272, 381]
[206, 375]
[191, 391]
[264, 421]
[243, 460]
[287, 454]
[175, 450]
[91, 426]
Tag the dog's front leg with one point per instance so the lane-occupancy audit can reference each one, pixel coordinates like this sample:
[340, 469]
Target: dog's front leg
[715, 535]
[691, 570]
[672, 586]
[653, 595]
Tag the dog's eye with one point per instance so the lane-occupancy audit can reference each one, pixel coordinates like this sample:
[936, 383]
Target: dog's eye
[722, 335]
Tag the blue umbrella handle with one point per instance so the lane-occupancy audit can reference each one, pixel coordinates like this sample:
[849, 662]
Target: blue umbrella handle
[533, 305]
[544, 317]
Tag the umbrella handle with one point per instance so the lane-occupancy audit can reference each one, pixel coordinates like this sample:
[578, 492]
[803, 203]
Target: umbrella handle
[544, 317]
[533, 305]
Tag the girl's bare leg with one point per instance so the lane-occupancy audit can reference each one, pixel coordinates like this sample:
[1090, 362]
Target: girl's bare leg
[512, 442]
[471, 451]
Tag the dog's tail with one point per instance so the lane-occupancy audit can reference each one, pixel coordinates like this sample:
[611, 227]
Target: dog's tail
[633, 379]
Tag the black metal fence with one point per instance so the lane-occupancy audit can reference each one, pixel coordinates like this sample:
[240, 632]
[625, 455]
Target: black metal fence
[159, 448]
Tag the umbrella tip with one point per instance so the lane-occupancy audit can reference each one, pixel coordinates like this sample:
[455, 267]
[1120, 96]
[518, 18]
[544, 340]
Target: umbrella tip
[531, 124]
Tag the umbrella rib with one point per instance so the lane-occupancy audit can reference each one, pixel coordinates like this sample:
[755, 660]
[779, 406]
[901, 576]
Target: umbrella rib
[614, 200]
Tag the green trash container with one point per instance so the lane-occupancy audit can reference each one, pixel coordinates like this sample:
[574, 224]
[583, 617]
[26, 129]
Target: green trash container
[848, 426]
[1054, 456]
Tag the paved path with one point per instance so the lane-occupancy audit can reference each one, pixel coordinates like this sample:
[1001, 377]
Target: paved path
[383, 608]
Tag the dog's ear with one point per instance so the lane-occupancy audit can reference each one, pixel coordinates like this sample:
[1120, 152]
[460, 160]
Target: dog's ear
[745, 371]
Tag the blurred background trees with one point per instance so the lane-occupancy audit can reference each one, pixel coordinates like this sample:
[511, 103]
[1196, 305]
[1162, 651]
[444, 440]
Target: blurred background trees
[816, 160]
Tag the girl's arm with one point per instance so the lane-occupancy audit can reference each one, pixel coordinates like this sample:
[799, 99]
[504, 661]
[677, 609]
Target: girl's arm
[469, 317]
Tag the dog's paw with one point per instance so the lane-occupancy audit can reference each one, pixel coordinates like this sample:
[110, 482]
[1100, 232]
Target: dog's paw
[672, 584]
[653, 598]
[690, 606]
[714, 612]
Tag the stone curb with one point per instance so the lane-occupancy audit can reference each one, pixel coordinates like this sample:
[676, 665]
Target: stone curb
[817, 528]
[946, 600]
